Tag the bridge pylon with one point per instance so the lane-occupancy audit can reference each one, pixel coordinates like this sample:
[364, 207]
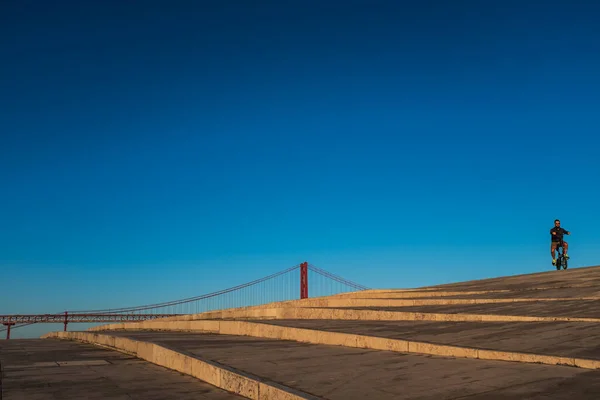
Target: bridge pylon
[8, 325]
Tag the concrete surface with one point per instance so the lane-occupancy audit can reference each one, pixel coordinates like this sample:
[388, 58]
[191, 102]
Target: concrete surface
[559, 338]
[219, 375]
[338, 338]
[565, 308]
[36, 369]
[588, 276]
[565, 293]
[373, 313]
[334, 372]
[387, 302]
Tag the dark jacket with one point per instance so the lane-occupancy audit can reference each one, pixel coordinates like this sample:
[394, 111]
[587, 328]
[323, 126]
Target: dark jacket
[559, 233]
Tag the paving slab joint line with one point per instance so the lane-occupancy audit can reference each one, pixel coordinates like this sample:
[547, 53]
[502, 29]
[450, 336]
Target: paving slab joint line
[315, 336]
[211, 372]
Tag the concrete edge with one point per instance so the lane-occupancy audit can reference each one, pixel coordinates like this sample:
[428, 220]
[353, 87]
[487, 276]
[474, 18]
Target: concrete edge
[313, 336]
[340, 302]
[391, 294]
[380, 315]
[426, 302]
[509, 279]
[218, 375]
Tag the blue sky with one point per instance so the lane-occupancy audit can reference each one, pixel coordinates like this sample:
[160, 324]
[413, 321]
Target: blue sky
[162, 151]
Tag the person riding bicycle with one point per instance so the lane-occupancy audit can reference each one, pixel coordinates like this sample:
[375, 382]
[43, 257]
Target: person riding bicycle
[556, 234]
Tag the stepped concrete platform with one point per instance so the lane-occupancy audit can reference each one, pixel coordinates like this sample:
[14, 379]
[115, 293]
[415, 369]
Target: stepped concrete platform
[336, 372]
[533, 336]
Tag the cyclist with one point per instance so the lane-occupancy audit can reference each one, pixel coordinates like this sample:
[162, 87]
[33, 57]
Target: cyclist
[556, 234]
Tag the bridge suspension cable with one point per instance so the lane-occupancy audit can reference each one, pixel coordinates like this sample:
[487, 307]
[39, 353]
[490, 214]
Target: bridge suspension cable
[280, 286]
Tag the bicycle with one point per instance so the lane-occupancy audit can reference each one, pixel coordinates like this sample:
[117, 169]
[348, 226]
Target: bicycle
[561, 260]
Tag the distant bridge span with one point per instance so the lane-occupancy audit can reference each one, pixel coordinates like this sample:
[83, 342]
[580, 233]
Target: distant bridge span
[65, 318]
[289, 284]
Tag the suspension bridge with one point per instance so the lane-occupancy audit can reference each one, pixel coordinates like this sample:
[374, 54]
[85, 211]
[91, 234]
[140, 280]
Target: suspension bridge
[289, 284]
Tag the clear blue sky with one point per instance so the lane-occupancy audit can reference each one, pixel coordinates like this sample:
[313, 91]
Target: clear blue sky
[157, 150]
